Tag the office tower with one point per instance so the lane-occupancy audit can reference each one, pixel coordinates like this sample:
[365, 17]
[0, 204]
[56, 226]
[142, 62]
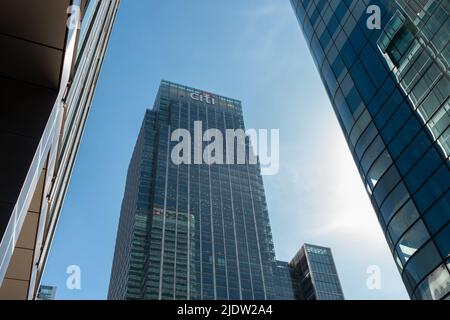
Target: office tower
[314, 274]
[191, 231]
[51, 54]
[195, 230]
[389, 86]
[46, 293]
[283, 282]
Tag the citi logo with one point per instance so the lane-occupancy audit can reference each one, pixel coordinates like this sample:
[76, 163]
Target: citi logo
[203, 97]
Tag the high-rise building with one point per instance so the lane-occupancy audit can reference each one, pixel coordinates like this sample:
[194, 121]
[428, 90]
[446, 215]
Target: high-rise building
[191, 231]
[283, 283]
[385, 66]
[50, 59]
[195, 230]
[46, 293]
[314, 274]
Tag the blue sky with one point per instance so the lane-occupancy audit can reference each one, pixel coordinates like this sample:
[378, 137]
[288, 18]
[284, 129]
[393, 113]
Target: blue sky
[251, 50]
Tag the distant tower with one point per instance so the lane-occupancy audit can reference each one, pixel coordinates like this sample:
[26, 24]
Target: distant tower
[314, 274]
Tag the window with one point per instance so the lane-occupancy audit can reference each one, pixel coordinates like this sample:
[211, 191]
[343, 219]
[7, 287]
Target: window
[355, 102]
[384, 92]
[439, 214]
[365, 85]
[372, 154]
[425, 83]
[441, 120]
[442, 240]
[412, 240]
[402, 221]
[357, 37]
[423, 262]
[436, 186]
[400, 45]
[389, 180]
[435, 286]
[339, 68]
[376, 69]
[378, 169]
[388, 108]
[343, 111]
[423, 169]
[394, 202]
[404, 137]
[399, 118]
[360, 126]
[329, 77]
[365, 139]
[413, 152]
[347, 51]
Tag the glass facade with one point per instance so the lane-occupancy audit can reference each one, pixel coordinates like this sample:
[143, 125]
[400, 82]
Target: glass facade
[46, 293]
[315, 275]
[390, 89]
[191, 231]
[283, 281]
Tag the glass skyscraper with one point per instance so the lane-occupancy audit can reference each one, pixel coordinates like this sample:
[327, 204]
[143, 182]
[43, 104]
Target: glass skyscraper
[315, 274]
[389, 87]
[195, 231]
[283, 284]
[46, 293]
[51, 56]
[191, 231]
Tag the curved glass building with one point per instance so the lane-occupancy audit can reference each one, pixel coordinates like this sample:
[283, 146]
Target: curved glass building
[385, 66]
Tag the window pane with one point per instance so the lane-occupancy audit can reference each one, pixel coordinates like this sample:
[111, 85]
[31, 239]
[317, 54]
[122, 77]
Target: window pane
[402, 221]
[439, 214]
[394, 201]
[412, 240]
[378, 169]
[435, 286]
[426, 259]
[443, 241]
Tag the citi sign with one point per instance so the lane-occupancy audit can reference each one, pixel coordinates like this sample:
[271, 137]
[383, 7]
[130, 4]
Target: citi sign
[203, 97]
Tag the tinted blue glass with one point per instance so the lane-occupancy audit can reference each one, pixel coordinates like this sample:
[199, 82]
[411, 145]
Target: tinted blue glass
[358, 39]
[348, 54]
[435, 187]
[423, 169]
[443, 241]
[360, 74]
[414, 151]
[426, 259]
[388, 108]
[404, 137]
[438, 215]
[399, 118]
[381, 108]
[376, 69]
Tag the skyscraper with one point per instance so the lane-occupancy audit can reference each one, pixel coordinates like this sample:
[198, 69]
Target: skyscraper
[195, 230]
[191, 231]
[46, 293]
[315, 275]
[385, 67]
[50, 59]
[283, 284]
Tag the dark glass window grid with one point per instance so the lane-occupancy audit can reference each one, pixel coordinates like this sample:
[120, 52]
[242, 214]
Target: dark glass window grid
[303, 21]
